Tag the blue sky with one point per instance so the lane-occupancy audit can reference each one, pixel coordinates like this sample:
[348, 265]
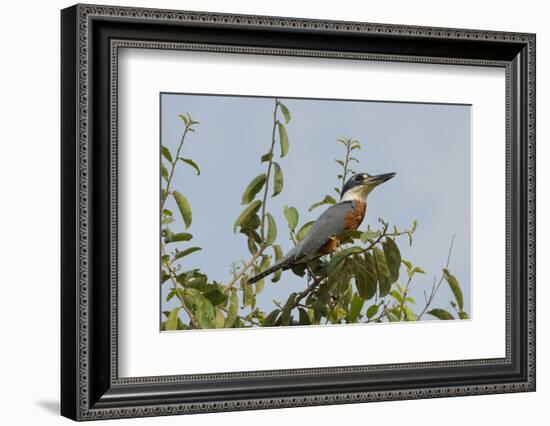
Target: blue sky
[427, 145]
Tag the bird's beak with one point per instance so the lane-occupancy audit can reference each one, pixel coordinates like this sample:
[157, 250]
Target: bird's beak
[379, 179]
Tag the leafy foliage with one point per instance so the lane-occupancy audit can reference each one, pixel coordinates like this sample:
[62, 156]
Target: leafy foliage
[365, 280]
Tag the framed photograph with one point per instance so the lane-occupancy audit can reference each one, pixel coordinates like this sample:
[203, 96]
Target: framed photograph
[263, 212]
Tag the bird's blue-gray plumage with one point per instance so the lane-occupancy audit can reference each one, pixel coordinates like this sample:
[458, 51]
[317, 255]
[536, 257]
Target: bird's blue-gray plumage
[330, 224]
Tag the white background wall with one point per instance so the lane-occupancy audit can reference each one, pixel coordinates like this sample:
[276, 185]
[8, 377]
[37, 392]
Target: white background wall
[29, 212]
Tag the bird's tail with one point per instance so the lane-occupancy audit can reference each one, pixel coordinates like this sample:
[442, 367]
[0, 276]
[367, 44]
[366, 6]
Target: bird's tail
[285, 264]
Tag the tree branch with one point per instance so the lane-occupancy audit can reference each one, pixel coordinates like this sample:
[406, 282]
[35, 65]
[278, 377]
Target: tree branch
[173, 163]
[268, 173]
[244, 269]
[173, 276]
[435, 287]
[348, 145]
[248, 264]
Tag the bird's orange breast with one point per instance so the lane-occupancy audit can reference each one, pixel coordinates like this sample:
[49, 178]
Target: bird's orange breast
[356, 215]
[352, 221]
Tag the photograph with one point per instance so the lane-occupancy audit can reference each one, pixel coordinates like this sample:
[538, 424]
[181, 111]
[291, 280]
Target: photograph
[279, 211]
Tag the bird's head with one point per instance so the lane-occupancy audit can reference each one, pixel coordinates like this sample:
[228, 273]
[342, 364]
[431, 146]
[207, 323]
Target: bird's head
[361, 184]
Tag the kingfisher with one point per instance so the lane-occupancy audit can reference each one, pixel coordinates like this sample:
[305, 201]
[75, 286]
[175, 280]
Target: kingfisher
[326, 232]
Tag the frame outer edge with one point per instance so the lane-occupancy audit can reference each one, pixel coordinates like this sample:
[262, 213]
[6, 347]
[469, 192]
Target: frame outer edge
[69, 190]
[79, 16]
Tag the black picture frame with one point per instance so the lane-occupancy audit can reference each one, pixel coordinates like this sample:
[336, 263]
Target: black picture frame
[90, 386]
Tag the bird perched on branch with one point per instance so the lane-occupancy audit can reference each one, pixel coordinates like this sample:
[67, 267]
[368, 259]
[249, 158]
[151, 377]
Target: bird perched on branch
[323, 237]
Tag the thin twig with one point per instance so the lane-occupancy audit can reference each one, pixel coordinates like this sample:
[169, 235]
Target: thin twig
[348, 144]
[435, 287]
[244, 269]
[173, 163]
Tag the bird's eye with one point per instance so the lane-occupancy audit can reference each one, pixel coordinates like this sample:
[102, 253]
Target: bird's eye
[358, 178]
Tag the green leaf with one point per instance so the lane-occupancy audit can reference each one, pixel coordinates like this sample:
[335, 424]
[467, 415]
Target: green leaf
[303, 317]
[184, 277]
[441, 314]
[327, 200]
[252, 246]
[393, 258]
[172, 321]
[253, 188]
[278, 257]
[233, 309]
[285, 315]
[215, 296]
[356, 305]
[455, 288]
[304, 230]
[365, 276]
[349, 235]
[247, 214]
[266, 157]
[384, 281]
[337, 315]
[204, 311]
[291, 215]
[285, 111]
[192, 164]
[164, 171]
[167, 154]
[271, 230]
[164, 277]
[277, 275]
[409, 314]
[270, 319]
[283, 139]
[185, 252]
[198, 283]
[248, 295]
[277, 179]
[463, 315]
[408, 264]
[372, 311]
[249, 226]
[219, 319]
[182, 236]
[184, 119]
[397, 296]
[184, 207]
[251, 233]
[259, 285]
[166, 221]
[340, 256]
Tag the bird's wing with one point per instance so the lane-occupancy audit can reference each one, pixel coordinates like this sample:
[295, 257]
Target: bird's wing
[331, 223]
